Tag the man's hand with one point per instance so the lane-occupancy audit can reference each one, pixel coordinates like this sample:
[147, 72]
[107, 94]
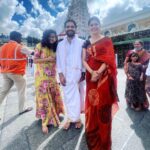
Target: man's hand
[82, 77]
[62, 79]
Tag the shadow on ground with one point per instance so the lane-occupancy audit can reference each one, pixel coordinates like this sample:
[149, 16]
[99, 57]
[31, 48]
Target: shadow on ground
[32, 138]
[83, 144]
[141, 126]
[64, 140]
[9, 121]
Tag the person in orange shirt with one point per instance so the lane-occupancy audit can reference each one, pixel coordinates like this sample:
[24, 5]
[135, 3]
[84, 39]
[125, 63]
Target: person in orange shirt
[13, 60]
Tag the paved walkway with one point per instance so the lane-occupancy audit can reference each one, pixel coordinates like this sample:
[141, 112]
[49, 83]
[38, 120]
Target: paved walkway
[130, 130]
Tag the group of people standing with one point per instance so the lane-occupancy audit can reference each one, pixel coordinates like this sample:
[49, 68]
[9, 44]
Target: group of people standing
[73, 60]
[137, 72]
[73, 56]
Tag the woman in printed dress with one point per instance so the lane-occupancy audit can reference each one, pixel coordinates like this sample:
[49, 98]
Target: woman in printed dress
[99, 61]
[135, 90]
[144, 57]
[48, 96]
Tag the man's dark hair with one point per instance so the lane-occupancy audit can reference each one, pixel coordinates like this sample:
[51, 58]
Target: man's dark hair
[45, 40]
[70, 20]
[15, 36]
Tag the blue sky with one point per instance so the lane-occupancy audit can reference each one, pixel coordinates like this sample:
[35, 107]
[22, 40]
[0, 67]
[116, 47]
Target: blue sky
[53, 7]
[32, 17]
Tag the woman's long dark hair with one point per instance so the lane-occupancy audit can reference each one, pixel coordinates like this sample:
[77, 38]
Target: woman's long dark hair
[45, 40]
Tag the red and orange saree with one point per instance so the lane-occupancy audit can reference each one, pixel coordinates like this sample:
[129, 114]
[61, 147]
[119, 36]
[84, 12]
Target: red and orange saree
[100, 95]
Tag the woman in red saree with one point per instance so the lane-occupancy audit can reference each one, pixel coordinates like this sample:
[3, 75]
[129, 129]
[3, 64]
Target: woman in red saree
[99, 61]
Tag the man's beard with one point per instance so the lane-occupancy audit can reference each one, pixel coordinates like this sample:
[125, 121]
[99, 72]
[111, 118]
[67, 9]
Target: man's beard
[70, 33]
[138, 49]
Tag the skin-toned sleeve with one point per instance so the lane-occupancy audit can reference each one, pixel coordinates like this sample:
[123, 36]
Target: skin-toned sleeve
[58, 61]
[26, 51]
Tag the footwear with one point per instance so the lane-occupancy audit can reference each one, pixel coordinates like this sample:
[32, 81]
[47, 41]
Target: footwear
[26, 110]
[78, 124]
[137, 108]
[45, 129]
[67, 125]
[132, 106]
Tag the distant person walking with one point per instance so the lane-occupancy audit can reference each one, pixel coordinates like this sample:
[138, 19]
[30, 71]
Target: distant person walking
[13, 60]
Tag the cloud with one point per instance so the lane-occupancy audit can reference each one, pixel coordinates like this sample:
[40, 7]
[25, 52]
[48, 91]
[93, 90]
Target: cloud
[108, 10]
[20, 9]
[51, 4]
[34, 12]
[35, 26]
[59, 22]
[37, 6]
[62, 6]
[59, 4]
[39, 19]
[7, 11]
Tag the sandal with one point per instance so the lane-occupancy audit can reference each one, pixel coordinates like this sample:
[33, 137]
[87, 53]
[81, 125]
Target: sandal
[26, 110]
[138, 109]
[45, 129]
[78, 124]
[67, 125]
[132, 106]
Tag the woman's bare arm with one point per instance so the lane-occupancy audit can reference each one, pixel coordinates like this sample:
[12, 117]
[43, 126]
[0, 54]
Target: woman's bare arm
[85, 64]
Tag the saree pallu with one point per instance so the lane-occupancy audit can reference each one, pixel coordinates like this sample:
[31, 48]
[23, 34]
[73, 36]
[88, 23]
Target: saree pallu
[100, 95]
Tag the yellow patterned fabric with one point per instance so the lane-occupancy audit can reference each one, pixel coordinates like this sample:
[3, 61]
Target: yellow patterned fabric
[48, 95]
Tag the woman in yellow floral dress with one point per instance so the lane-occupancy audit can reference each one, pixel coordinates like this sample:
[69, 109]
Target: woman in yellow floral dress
[48, 96]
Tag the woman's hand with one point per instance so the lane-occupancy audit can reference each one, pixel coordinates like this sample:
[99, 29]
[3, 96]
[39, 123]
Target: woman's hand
[52, 59]
[95, 76]
[82, 77]
[62, 79]
[141, 78]
[130, 78]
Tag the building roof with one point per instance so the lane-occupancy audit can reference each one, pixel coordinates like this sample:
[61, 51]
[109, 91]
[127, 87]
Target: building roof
[143, 14]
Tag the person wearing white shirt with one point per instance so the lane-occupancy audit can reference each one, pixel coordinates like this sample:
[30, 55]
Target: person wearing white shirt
[70, 70]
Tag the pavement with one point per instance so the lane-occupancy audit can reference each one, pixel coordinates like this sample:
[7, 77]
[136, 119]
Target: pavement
[130, 130]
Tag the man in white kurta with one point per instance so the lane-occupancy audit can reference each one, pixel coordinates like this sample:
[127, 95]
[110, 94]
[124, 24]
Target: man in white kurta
[69, 66]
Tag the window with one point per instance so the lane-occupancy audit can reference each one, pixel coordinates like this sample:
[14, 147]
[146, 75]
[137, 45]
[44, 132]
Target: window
[132, 27]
